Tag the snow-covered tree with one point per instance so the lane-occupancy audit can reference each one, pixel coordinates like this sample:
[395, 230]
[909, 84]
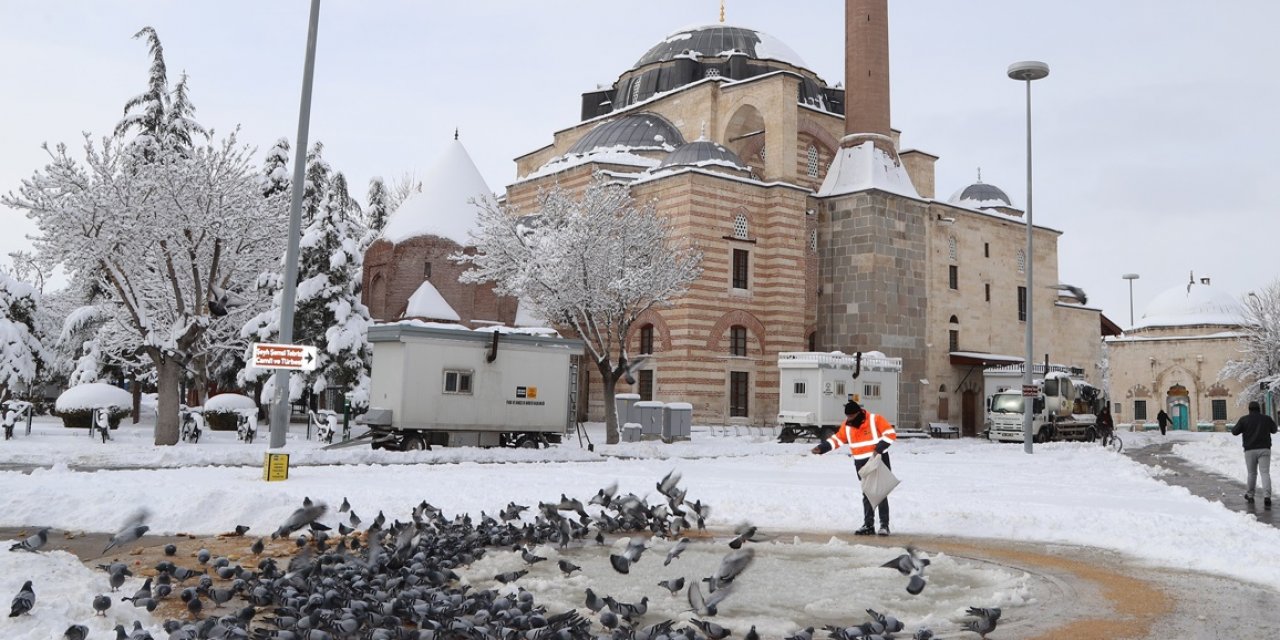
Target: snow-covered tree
[20, 350]
[591, 264]
[376, 211]
[318, 176]
[275, 176]
[327, 310]
[158, 116]
[163, 232]
[403, 187]
[1259, 361]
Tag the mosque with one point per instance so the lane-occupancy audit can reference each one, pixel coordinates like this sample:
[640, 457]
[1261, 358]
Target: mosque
[819, 233]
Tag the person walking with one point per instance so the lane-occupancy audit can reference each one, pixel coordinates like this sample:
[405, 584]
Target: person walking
[1256, 429]
[868, 435]
[1163, 419]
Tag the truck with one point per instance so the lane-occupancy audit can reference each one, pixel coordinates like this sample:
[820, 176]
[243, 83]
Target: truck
[1063, 408]
[434, 384]
[814, 387]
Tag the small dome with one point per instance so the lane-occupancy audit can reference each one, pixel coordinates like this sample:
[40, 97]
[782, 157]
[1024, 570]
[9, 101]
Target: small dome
[702, 152]
[1192, 304]
[981, 195]
[641, 130]
[443, 207]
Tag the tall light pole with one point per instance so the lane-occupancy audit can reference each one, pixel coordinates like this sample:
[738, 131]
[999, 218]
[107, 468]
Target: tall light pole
[1130, 277]
[1027, 71]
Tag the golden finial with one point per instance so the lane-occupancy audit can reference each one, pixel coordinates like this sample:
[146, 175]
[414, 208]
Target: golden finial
[721, 11]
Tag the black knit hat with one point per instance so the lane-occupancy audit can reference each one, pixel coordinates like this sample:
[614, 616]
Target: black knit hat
[851, 408]
[1254, 407]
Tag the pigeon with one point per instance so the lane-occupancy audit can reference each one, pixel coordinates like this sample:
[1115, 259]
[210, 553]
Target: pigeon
[627, 610]
[33, 542]
[751, 634]
[910, 564]
[100, 604]
[1073, 291]
[133, 529]
[712, 630]
[923, 633]
[76, 632]
[510, 576]
[240, 529]
[676, 550]
[620, 563]
[594, 602]
[300, 518]
[345, 506]
[746, 532]
[23, 602]
[889, 624]
[673, 585]
[116, 579]
[530, 557]
[985, 622]
[194, 605]
[257, 547]
[604, 496]
[703, 606]
[567, 567]
[221, 302]
[608, 619]
[141, 594]
[170, 549]
[202, 556]
[667, 485]
[733, 564]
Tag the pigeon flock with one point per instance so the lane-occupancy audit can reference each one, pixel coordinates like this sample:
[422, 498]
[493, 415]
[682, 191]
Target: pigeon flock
[395, 580]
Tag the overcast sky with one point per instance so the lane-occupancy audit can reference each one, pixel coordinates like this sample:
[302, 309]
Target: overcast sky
[1154, 134]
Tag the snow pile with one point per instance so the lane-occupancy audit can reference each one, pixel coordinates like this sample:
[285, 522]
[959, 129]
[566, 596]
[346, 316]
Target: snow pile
[427, 302]
[229, 402]
[1192, 304]
[92, 396]
[863, 167]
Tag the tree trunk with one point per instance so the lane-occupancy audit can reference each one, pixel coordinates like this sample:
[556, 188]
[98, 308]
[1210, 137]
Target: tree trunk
[610, 410]
[136, 390]
[168, 388]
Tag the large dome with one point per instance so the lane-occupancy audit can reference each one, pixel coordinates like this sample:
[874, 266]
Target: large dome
[1191, 304]
[719, 40]
[638, 131]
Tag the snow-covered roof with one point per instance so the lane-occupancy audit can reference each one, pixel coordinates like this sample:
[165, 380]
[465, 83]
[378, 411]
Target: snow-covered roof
[981, 195]
[92, 396]
[526, 317]
[427, 302]
[443, 207]
[1191, 304]
[721, 40]
[863, 167]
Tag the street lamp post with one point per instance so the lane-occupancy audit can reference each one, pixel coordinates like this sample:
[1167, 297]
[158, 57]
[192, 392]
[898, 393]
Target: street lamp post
[1027, 71]
[1130, 277]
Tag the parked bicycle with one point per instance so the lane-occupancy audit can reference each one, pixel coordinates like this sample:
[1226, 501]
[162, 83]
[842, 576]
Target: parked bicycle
[192, 421]
[247, 425]
[101, 425]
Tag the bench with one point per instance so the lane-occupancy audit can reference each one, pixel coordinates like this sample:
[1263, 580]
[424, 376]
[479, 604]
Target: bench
[943, 430]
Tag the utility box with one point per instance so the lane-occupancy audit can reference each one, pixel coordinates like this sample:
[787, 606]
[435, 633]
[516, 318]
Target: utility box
[623, 402]
[677, 421]
[648, 414]
[814, 387]
[631, 432]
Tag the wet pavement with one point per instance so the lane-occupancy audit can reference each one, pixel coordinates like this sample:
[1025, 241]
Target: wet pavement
[1207, 485]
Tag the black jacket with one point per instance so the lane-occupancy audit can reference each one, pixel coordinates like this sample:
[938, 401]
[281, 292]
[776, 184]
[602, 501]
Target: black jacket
[1257, 430]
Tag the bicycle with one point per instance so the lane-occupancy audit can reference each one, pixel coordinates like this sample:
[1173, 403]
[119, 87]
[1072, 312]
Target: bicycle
[1112, 441]
[190, 429]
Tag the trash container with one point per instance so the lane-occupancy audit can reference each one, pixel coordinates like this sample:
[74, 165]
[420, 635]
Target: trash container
[622, 403]
[676, 420]
[631, 432]
[648, 414]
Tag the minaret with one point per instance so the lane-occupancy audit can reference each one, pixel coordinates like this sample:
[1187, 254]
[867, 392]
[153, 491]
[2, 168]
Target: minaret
[867, 158]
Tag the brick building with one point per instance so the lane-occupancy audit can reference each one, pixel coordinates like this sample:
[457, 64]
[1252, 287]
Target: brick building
[818, 232]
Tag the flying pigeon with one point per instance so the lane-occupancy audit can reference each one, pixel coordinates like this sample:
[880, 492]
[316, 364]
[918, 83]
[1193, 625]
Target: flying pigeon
[712, 630]
[300, 518]
[985, 622]
[33, 542]
[676, 550]
[221, 302]
[1073, 291]
[705, 606]
[910, 564]
[23, 602]
[133, 529]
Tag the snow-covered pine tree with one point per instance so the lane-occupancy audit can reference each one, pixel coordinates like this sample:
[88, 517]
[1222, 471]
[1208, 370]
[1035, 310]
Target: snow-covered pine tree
[376, 212]
[1259, 361]
[591, 264]
[146, 113]
[20, 350]
[403, 187]
[162, 234]
[276, 177]
[179, 121]
[317, 184]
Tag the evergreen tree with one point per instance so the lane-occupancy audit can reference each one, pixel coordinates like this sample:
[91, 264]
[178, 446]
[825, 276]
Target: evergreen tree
[376, 212]
[148, 108]
[317, 185]
[275, 171]
[180, 123]
[20, 351]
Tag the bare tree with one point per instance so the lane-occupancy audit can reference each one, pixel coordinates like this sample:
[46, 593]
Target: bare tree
[1259, 361]
[591, 265]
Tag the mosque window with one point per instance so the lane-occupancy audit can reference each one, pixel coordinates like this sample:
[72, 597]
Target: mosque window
[739, 393]
[738, 340]
[426, 271]
[951, 247]
[813, 240]
[1022, 304]
[813, 161]
[762, 156]
[1219, 409]
[740, 268]
[740, 227]
[635, 90]
[1022, 261]
[1139, 409]
[987, 290]
[712, 72]
[646, 339]
[953, 277]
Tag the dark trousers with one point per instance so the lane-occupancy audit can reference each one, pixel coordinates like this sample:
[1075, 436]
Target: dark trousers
[868, 512]
[1163, 426]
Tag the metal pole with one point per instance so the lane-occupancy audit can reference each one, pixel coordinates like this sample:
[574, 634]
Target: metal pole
[1027, 413]
[1131, 302]
[280, 410]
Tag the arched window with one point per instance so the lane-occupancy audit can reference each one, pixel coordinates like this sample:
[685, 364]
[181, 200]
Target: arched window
[812, 157]
[635, 90]
[740, 227]
[646, 339]
[951, 247]
[738, 340]
[953, 335]
[1022, 261]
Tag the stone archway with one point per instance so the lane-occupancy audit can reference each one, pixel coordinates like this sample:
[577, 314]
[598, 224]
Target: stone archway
[1178, 403]
[744, 135]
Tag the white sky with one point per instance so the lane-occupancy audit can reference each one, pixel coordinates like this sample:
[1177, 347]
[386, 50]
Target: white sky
[1153, 133]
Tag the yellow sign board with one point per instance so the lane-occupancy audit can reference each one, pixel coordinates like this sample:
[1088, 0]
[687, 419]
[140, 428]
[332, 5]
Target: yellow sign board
[532, 393]
[275, 466]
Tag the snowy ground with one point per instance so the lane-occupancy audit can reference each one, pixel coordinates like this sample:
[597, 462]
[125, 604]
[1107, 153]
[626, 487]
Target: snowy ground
[1068, 493]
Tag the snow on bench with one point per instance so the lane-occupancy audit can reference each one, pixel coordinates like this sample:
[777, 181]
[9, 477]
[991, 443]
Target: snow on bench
[943, 430]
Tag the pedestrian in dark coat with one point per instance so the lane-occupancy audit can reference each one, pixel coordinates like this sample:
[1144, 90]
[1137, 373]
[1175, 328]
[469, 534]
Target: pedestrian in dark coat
[1163, 419]
[1256, 429]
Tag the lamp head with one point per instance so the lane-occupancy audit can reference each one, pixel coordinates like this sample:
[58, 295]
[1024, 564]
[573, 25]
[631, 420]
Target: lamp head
[1028, 70]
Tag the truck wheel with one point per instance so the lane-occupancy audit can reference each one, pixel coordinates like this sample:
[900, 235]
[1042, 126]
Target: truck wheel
[1091, 434]
[787, 436]
[414, 442]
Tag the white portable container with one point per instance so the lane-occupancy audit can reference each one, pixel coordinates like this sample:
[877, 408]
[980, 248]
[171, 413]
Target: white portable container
[814, 387]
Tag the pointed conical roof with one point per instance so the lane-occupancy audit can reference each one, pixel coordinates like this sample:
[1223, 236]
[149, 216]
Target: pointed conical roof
[427, 303]
[442, 208]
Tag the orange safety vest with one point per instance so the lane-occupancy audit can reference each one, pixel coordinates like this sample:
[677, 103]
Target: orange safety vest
[862, 439]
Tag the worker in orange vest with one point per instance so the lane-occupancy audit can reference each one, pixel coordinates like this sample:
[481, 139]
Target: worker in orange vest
[868, 435]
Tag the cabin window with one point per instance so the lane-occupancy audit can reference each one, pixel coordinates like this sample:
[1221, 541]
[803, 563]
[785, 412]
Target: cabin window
[797, 387]
[457, 382]
[871, 390]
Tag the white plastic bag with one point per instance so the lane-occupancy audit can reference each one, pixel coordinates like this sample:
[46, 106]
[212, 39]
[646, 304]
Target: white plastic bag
[877, 480]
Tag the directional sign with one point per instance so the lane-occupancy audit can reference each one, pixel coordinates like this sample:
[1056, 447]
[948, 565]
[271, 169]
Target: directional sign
[283, 356]
[1030, 390]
